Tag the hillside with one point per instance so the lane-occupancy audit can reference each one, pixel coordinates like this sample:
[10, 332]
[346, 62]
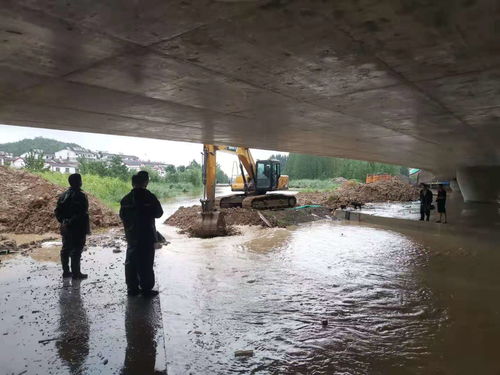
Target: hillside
[49, 146]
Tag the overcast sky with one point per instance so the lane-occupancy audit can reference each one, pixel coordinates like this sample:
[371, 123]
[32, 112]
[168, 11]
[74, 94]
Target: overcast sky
[177, 153]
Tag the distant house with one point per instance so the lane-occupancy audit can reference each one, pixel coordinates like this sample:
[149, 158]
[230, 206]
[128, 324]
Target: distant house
[17, 162]
[137, 165]
[66, 160]
[108, 156]
[133, 165]
[5, 158]
[74, 153]
[61, 166]
[157, 167]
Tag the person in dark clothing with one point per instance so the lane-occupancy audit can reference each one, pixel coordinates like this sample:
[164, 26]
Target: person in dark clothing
[441, 204]
[138, 210]
[72, 212]
[425, 202]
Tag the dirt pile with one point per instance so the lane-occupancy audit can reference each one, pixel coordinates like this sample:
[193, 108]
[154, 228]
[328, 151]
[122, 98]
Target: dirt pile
[28, 203]
[185, 218]
[393, 190]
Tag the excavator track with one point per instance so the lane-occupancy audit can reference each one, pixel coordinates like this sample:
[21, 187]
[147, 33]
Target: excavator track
[259, 202]
[230, 201]
[269, 201]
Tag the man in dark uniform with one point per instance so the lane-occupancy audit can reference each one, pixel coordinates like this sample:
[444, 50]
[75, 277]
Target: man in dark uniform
[72, 212]
[441, 204]
[425, 202]
[138, 210]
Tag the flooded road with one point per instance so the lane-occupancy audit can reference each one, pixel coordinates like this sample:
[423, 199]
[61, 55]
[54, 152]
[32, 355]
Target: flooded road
[329, 297]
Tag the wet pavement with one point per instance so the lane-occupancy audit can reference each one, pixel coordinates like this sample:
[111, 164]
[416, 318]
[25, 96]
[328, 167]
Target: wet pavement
[329, 297]
[53, 326]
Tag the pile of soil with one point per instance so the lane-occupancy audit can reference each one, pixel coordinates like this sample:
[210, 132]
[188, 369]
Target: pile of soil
[28, 203]
[186, 218]
[393, 190]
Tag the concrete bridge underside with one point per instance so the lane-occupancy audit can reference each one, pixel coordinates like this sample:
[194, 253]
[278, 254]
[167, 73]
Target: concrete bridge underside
[410, 82]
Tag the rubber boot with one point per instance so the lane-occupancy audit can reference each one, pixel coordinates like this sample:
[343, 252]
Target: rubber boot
[65, 265]
[75, 268]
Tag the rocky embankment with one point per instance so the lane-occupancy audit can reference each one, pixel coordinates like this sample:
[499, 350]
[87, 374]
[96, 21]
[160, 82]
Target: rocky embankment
[351, 192]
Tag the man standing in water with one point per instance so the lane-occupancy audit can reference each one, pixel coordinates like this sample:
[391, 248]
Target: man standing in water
[425, 202]
[138, 210]
[72, 212]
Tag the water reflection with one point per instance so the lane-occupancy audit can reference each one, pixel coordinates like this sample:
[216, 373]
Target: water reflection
[142, 320]
[73, 344]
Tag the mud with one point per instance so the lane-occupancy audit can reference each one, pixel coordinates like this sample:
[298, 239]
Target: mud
[185, 218]
[28, 203]
[393, 190]
[11, 243]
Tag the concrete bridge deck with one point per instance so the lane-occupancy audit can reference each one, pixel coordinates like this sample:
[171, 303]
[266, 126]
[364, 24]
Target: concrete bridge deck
[407, 82]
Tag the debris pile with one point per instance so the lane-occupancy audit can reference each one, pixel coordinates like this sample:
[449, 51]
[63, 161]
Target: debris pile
[339, 180]
[28, 203]
[186, 218]
[351, 193]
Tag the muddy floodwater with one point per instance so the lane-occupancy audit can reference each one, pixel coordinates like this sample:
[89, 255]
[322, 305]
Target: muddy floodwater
[400, 210]
[329, 297]
[392, 304]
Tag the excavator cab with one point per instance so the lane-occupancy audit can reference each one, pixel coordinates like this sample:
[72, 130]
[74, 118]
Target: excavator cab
[268, 173]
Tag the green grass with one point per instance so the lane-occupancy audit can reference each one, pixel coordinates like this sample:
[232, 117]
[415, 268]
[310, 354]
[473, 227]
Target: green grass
[310, 186]
[110, 190]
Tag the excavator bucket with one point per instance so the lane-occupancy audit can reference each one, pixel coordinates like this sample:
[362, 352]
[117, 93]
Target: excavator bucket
[210, 224]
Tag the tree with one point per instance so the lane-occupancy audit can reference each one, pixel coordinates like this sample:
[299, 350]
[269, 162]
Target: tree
[193, 165]
[34, 162]
[283, 159]
[49, 146]
[117, 168]
[220, 176]
[170, 168]
[93, 167]
[113, 168]
[300, 166]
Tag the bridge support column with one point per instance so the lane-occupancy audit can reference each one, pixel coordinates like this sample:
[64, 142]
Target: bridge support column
[480, 183]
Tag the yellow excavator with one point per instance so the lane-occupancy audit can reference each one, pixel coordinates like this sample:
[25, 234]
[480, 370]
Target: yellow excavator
[256, 179]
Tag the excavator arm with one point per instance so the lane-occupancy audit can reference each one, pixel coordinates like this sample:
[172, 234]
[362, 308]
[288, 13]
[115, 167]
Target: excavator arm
[244, 156]
[212, 223]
